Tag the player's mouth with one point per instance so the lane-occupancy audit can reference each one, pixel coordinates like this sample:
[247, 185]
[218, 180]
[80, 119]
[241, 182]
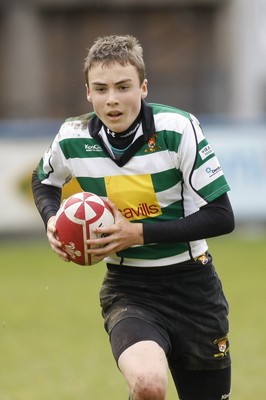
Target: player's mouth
[114, 115]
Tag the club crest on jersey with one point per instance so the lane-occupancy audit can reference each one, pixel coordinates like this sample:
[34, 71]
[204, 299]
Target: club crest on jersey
[223, 347]
[152, 144]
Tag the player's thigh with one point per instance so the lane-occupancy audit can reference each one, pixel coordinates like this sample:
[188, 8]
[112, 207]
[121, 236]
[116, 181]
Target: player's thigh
[145, 362]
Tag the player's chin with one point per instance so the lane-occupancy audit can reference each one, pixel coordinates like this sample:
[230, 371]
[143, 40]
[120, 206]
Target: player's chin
[118, 126]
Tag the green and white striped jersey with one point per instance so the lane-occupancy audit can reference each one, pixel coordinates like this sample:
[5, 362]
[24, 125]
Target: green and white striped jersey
[169, 176]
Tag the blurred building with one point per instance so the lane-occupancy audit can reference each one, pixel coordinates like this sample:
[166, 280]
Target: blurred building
[205, 56]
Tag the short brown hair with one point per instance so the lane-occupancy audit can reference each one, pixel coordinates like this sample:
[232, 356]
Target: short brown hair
[107, 50]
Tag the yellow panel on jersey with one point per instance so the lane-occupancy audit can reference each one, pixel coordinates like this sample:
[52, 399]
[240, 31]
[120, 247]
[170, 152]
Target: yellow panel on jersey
[139, 199]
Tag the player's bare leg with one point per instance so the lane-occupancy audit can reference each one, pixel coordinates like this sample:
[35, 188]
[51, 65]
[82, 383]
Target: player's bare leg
[144, 366]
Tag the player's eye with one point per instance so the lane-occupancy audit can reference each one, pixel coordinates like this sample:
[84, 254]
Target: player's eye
[100, 89]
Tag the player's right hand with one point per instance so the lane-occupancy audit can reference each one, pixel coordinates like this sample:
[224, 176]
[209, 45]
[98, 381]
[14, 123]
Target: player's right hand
[56, 245]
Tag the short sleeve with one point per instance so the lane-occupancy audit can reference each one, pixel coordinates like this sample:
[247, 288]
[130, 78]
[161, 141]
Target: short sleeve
[202, 173]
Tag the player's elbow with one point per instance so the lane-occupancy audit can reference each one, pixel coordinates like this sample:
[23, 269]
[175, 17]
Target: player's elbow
[231, 225]
[228, 223]
[225, 216]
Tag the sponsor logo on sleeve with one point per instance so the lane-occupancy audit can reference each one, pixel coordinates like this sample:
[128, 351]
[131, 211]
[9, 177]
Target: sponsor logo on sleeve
[206, 152]
[213, 171]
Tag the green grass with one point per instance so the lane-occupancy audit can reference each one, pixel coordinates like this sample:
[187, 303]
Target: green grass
[52, 341]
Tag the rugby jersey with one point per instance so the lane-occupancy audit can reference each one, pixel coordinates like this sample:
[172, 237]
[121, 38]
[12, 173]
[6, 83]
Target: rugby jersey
[168, 172]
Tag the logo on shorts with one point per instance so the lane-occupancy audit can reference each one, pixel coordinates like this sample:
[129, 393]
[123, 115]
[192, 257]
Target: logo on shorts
[223, 347]
[225, 396]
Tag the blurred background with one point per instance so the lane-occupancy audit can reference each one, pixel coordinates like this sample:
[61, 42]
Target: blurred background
[207, 57]
[204, 56]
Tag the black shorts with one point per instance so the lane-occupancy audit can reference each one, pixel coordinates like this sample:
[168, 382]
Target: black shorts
[181, 307]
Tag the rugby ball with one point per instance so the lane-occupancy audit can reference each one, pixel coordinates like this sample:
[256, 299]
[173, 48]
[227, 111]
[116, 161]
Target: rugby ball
[76, 219]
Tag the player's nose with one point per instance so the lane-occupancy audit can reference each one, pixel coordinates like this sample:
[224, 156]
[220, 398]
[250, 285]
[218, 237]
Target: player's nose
[112, 97]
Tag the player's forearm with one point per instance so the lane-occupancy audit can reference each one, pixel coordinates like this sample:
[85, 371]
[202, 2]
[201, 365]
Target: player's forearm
[47, 198]
[214, 219]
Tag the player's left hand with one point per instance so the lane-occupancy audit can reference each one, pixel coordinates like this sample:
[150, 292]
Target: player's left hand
[119, 236]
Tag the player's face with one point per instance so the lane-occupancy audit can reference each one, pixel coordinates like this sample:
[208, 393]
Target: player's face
[115, 93]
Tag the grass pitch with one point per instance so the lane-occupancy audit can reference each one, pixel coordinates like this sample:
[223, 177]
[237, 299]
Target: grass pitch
[52, 341]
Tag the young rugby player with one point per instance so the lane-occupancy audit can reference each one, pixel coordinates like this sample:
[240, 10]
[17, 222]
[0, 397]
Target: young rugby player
[161, 298]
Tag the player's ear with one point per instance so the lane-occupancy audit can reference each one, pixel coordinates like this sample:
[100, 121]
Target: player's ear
[88, 93]
[144, 89]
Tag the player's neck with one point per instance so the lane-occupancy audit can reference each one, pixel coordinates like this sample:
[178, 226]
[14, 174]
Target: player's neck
[123, 139]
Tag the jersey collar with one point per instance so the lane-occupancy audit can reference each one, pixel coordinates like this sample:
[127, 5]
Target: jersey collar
[148, 129]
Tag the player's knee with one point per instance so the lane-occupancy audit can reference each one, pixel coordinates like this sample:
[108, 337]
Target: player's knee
[146, 387]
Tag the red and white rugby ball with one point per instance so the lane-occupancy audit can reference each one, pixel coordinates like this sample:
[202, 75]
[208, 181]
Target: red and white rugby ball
[76, 219]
